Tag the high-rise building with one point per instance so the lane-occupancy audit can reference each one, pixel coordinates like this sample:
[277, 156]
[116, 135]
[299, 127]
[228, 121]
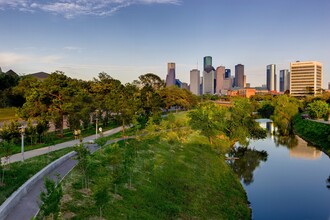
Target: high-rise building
[184, 86]
[271, 77]
[195, 81]
[228, 73]
[284, 80]
[207, 61]
[220, 76]
[227, 83]
[170, 78]
[239, 76]
[208, 80]
[305, 78]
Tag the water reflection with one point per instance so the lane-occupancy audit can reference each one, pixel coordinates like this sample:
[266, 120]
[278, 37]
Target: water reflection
[328, 182]
[248, 160]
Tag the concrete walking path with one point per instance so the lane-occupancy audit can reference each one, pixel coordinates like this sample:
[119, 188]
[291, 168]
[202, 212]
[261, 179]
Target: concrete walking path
[28, 206]
[45, 150]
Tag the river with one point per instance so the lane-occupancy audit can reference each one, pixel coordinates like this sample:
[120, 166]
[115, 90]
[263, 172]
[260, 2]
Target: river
[284, 178]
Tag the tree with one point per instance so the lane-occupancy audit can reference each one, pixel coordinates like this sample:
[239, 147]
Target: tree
[83, 162]
[6, 149]
[285, 109]
[51, 198]
[125, 104]
[101, 197]
[209, 119]
[318, 109]
[266, 110]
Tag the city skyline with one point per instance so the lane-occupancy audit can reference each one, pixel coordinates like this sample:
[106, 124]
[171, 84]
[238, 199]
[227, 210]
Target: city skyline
[130, 38]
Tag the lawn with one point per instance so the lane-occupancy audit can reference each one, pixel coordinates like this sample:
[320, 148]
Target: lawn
[7, 114]
[16, 174]
[169, 175]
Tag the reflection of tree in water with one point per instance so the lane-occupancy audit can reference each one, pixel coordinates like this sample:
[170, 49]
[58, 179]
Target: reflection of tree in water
[248, 160]
[328, 182]
[290, 141]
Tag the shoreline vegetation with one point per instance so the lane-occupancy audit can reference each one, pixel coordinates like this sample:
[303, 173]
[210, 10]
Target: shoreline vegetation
[318, 134]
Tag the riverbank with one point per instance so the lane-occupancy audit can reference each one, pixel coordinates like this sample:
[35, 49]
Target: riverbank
[157, 177]
[314, 132]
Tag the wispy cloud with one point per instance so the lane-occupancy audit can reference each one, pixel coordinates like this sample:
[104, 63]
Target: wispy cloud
[73, 8]
[9, 59]
[12, 58]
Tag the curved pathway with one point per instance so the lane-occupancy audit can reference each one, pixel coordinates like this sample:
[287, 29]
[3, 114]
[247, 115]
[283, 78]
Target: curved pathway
[28, 206]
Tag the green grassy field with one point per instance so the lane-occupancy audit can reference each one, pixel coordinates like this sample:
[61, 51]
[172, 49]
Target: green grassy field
[176, 175]
[16, 174]
[8, 114]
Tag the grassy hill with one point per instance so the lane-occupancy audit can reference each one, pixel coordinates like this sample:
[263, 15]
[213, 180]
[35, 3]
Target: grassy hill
[175, 175]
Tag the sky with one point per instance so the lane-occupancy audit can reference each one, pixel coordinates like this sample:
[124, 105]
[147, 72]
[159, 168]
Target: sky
[129, 38]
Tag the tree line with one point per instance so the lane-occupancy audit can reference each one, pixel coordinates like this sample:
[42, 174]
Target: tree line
[79, 103]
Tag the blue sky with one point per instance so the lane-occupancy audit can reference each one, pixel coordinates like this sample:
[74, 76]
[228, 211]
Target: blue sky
[128, 38]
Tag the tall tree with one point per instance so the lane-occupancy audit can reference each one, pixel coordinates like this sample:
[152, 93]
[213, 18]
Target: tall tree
[209, 119]
[285, 109]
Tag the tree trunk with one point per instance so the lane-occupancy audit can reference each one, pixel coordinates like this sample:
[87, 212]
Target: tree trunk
[210, 138]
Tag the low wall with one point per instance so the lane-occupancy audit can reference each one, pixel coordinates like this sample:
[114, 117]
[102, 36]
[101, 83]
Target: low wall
[14, 199]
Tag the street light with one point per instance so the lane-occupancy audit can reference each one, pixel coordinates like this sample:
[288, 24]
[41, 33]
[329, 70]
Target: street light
[22, 131]
[96, 127]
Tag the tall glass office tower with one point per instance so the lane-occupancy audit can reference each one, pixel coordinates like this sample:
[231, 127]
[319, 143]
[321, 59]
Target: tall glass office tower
[170, 78]
[271, 77]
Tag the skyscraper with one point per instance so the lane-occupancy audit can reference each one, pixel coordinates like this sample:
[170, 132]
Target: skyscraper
[220, 76]
[170, 78]
[228, 73]
[195, 81]
[284, 80]
[207, 61]
[239, 76]
[208, 76]
[271, 77]
[305, 78]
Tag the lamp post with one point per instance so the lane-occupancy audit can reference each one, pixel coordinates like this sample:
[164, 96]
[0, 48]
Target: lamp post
[22, 131]
[96, 128]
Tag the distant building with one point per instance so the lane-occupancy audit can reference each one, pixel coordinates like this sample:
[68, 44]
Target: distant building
[305, 78]
[208, 80]
[184, 86]
[207, 61]
[208, 76]
[227, 83]
[220, 76]
[227, 73]
[239, 76]
[328, 85]
[243, 92]
[271, 77]
[178, 83]
[170, 78]
[284, 80]
[195, 81]
[248, 85]
[40, 75]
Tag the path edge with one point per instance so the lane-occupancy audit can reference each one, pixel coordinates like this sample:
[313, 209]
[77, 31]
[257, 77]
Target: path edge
[15, 197]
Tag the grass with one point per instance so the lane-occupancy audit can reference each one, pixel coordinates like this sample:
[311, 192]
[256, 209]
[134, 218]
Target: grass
[16, 174]
[7, 114]
[314, 132]
[177, 176]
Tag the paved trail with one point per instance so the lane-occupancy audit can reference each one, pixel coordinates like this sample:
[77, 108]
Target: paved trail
[29, 205]
[45, 150]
